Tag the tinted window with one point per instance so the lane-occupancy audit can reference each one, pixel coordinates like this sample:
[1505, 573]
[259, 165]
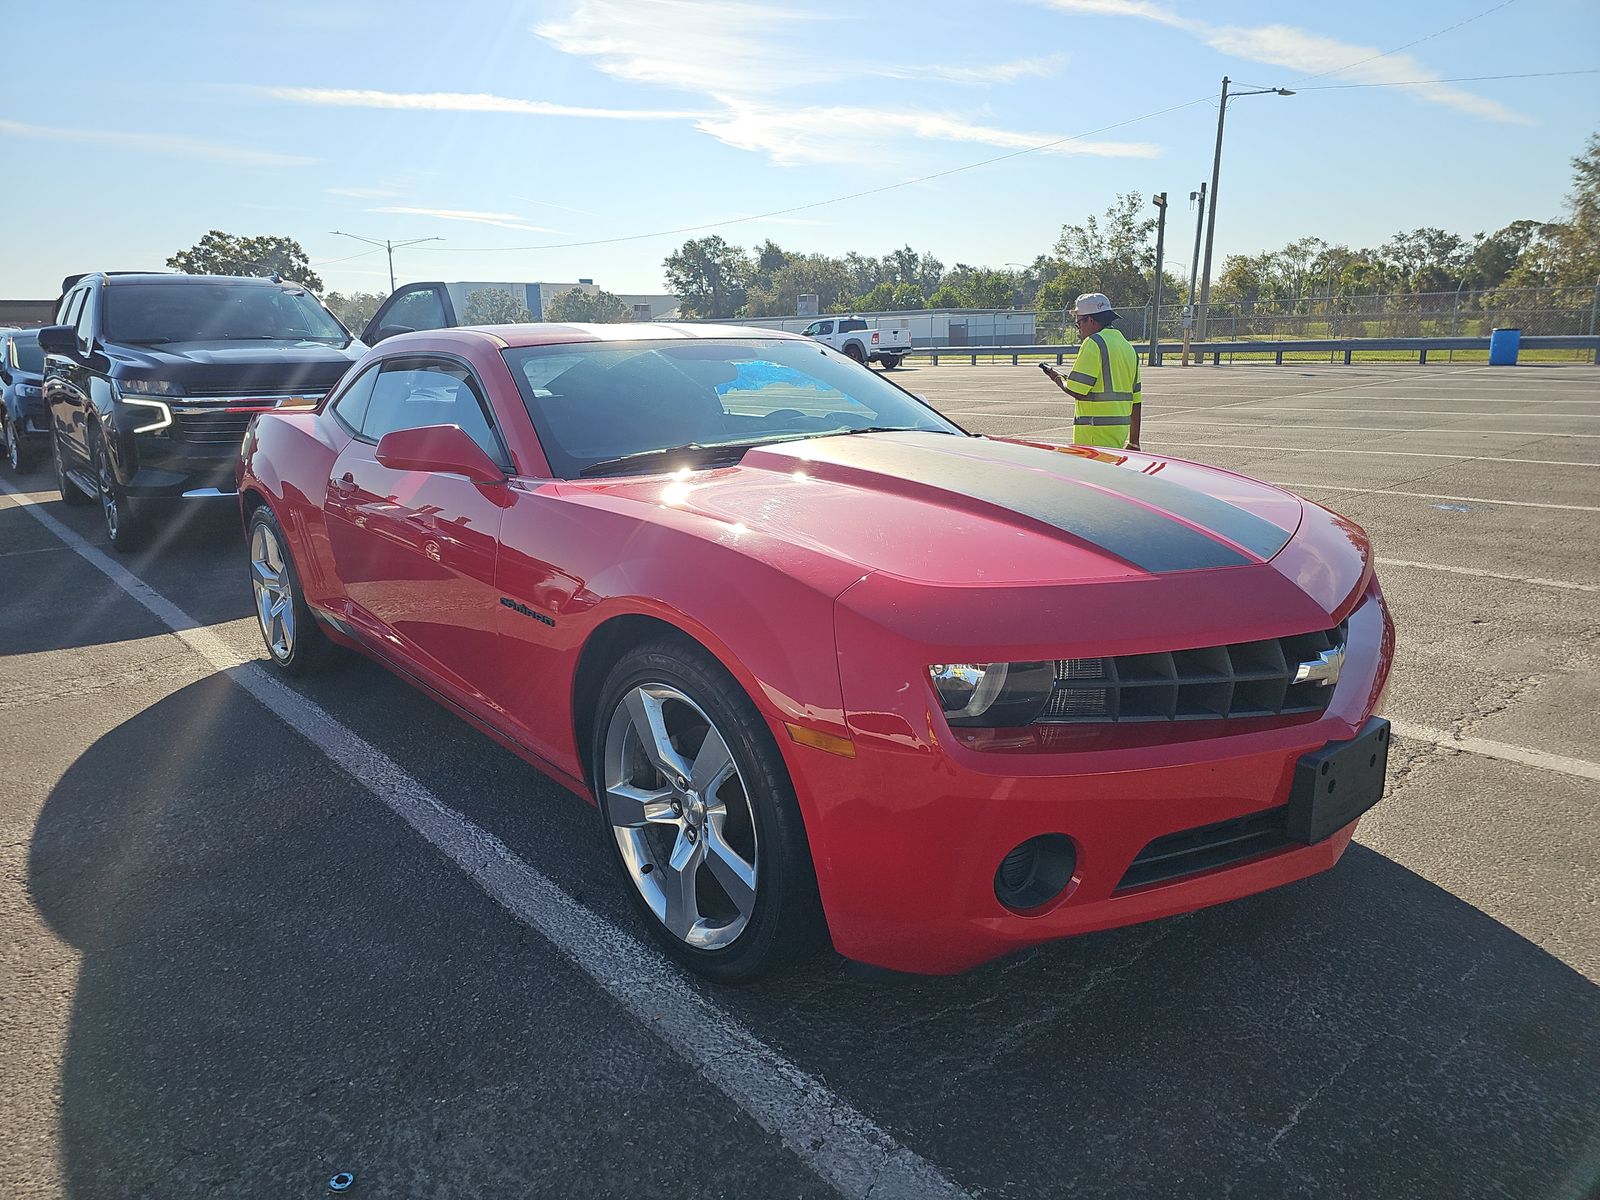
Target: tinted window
[591, 403]
[412, 392]
[70, 307]
[418, 309]
[351, 406]
[824, 326]
[150, 313]
[851, 326]
[85, 321]
[25, 353]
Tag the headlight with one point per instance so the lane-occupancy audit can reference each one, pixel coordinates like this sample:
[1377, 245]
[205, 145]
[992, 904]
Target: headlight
[994, 695]
[160, 415]
[148, 387]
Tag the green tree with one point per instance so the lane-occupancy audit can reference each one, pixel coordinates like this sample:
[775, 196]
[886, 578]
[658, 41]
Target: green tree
[356, 309]
[907, 296]
[221, 253]
[709, 277]
[495, 306]
[1575, 242]
[949, 296]
[879, 298]
[575, 304]
[803, 274]
[991, 289]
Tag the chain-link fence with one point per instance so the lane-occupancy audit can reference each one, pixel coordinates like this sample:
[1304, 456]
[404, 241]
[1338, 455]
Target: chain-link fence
[1544, 311]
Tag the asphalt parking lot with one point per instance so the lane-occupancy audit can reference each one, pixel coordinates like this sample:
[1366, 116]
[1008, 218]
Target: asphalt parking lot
[230, 965]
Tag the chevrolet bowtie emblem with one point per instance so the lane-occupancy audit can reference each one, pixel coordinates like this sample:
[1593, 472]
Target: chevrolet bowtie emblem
[1323, 669]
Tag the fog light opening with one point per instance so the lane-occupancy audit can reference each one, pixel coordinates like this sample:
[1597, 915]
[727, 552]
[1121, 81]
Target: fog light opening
[1035, 872]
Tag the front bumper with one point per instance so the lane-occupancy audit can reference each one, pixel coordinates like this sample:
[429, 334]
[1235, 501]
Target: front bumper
[166, 469]
[907, 836]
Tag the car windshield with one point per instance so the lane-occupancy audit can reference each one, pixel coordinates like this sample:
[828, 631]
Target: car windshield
[595, 405]
[152, 313]
[29, 357]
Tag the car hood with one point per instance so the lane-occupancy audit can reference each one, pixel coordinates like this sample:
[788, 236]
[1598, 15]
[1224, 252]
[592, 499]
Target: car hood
[951, 510]
[232, 364]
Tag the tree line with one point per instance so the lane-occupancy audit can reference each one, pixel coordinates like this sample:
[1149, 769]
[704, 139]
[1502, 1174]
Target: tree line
[1111, 252]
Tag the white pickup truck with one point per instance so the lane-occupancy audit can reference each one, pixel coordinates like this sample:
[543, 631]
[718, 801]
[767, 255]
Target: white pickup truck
[852, 336]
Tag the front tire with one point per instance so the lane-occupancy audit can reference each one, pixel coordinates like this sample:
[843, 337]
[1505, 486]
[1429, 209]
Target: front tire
[295, 642]
[18, 453]
[71, 493]
[701, 816]
[125, 529]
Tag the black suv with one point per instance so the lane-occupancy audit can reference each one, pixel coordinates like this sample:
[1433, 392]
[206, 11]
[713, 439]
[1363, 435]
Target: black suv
[23, 423]
[152, 380]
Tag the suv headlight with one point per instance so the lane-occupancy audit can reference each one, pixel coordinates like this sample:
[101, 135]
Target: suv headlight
[993, 695]
[133, 392]
[148, 387]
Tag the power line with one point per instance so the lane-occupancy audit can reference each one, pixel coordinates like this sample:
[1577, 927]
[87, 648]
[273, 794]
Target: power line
[1415, 42]
[1332, 87]
[328, 262]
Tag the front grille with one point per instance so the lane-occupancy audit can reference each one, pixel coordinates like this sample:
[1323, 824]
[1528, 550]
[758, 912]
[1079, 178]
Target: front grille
[1206, 847]
[212, 428]
[1242, 679]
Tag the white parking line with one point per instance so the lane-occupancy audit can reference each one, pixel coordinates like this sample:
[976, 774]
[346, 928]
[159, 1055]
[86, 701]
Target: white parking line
[1577, 767]
[1494, 433]
[1478, 571]
[1328, 487]
[1463, 458]
[842, 1145]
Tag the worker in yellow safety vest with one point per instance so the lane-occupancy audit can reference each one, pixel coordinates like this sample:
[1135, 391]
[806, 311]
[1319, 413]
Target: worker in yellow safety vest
[1104, 380]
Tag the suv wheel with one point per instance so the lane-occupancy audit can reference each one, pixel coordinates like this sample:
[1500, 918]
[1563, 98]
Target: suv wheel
[124, 528]
[295, 642]
[71, 493]
[16, 450]
[701, 816]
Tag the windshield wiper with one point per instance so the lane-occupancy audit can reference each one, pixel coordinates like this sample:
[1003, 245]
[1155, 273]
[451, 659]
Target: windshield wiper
[703, 451]
[882, 429]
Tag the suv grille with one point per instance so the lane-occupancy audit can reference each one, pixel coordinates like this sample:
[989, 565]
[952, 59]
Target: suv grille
[1243, 679]
[212, 428]
[1208, 846]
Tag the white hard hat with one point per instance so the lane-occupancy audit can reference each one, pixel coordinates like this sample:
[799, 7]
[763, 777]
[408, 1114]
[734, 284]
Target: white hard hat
[1094, 304]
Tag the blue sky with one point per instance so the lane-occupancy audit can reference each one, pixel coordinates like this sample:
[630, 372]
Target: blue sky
[497, 125]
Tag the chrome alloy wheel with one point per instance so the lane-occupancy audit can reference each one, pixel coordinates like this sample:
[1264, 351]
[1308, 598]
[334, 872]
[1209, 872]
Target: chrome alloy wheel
[269, 575]
[13, 444]
[108, 491]
[682, 819]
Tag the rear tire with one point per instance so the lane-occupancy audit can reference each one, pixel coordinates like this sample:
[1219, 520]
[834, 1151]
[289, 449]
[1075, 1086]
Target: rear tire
[890, 361]
[125, 528]
[295, 642]
[700, 816]
[71, 493]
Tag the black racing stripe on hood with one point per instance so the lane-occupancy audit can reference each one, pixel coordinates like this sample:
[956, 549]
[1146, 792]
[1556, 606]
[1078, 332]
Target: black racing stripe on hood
[1241, 527]
[1150, 541]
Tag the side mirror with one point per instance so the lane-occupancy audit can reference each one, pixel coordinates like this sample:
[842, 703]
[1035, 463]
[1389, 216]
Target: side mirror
[446, 449]
[58, 339]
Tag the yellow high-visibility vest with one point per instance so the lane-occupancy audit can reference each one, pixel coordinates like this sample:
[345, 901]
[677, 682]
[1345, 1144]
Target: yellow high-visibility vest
[1104, 382]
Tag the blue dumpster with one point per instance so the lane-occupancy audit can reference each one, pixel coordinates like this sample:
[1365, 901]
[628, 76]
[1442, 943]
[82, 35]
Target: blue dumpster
[1503, 347]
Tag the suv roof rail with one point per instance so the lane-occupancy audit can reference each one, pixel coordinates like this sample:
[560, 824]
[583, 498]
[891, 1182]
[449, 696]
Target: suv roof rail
[70, 280]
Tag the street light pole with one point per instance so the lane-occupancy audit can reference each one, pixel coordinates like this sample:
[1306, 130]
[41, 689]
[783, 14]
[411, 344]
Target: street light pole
[1194, 269]
[385, 245]
[1216, 170]
[1155, 303]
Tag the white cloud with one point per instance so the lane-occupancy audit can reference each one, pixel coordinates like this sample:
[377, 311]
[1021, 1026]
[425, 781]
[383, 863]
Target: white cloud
[502, 220]
[1009, 72]
[1301, 50]
[362, 193]
[161, 144]
[463, 102]
[842, 134]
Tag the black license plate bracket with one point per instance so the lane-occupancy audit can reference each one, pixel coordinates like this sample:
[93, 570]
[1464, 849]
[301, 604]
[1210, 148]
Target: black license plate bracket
[1335, 785]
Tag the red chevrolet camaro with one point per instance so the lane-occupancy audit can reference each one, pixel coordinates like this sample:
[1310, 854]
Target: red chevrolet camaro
[829, 665]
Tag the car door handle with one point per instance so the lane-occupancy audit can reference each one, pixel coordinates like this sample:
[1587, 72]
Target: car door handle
[346, 485]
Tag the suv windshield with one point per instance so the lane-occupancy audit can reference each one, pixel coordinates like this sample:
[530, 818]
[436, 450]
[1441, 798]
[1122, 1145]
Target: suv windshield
[593, 404]
[29, 357]
[198, 311]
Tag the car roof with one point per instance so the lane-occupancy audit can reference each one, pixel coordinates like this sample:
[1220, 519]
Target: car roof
[176, 277]
[551, 333]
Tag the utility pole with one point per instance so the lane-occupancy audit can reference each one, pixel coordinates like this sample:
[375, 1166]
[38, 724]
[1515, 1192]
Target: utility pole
[1216, 170]
[1155, 303]
[385, 245]
[1194, 269]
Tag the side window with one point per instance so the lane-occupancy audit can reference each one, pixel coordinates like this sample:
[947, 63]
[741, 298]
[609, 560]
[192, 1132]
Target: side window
[85, 322]
[412, 392]
[351, 406]
[67, 314]
[419, 308]
[824, 326]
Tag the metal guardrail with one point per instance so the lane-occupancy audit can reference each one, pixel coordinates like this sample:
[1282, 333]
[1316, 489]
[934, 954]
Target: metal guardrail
[1421, 346]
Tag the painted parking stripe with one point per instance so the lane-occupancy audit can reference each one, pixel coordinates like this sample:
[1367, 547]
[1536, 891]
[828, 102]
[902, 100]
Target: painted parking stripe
[1462, 458]
[1328, 487]
[842, 1145]
[1522, 755]
[1483, 574]
[1494, 433]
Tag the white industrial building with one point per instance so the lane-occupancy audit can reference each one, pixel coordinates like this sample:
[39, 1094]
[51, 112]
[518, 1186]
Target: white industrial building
[932, 326]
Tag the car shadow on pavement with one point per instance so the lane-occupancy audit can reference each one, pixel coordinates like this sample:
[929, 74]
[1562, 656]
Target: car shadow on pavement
[280, 980]
[196, 552]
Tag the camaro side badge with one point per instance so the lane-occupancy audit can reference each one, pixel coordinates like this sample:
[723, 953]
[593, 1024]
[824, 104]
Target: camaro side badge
[515, 606]
[1323, 669]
